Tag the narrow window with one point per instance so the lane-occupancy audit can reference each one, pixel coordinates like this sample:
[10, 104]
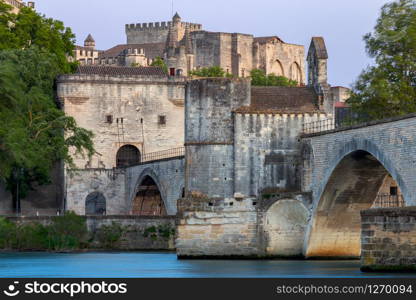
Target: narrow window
[172, 71]
[393, 191]
[162, 120]
[109, 119]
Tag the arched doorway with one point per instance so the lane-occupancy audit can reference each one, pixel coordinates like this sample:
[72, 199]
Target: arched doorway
[127, 156]
[356, 184]
[148, 200]
[95, 204]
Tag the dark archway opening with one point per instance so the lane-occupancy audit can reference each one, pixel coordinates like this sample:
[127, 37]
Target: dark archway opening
[359, 182]
[95, 204]
[128, 156]
[148, 200]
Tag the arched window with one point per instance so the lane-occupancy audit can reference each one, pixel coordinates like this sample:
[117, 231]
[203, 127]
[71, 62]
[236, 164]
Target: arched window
[95, 204]
[296, 73]
[128, 156]
[277, 68]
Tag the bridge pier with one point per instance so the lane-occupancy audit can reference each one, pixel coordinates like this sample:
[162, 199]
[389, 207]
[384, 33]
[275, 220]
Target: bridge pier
[388, 239]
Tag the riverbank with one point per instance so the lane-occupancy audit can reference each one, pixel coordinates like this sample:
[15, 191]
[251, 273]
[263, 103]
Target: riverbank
[72, 233]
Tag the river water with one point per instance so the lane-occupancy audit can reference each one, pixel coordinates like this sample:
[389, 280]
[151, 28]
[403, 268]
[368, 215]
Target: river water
[166, 265]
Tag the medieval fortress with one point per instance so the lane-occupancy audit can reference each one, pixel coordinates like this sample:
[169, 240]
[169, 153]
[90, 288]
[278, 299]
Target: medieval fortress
[232, 161]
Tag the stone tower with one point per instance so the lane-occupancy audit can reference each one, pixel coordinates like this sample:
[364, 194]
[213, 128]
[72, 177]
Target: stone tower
[179, 54]
[317, 62]
[318, 73]
[89, 42]
[209, 134]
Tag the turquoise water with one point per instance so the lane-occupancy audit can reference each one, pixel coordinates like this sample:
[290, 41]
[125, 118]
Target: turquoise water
[166, 265]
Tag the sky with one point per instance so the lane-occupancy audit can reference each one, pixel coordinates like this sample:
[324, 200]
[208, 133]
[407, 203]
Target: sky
[342, 23]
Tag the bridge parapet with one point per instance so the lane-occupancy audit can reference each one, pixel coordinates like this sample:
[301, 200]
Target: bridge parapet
[161, 155]
[327, 126]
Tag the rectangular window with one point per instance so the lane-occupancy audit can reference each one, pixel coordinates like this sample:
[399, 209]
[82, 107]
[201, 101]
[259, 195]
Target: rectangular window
[393, 191]
[109, 119]
[162, 120]
[172, 71]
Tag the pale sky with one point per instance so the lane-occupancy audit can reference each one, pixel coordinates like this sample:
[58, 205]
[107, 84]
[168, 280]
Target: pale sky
[341, 22]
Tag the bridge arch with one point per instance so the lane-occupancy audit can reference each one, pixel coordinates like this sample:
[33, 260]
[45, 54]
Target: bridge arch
[350, 183]
[149, 197]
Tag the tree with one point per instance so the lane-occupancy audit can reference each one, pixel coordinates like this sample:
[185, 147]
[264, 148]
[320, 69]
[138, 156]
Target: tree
[260, 78]
[159, 62]
[215, 71]
[34, 132]
[389, 87]
[28, 28]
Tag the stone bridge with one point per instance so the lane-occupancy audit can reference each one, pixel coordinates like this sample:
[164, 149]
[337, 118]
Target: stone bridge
[122, 191]
[344, 169]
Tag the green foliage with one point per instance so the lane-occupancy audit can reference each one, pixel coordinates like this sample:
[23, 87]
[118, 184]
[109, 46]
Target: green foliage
[161, 231]
[29, 29]
[64, 233]
[159, 62]
[260, 78]
[109, 235]
[210, 72]
[389, 87]
[67, 232]
[34, 132]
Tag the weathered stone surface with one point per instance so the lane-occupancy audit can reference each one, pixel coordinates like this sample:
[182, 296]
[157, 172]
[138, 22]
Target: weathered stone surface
[345, 170]
[138, 233]
[120, 186]
[388, 245]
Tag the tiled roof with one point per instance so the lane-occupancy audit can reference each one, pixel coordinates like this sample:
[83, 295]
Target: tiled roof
[267, 39]
[86, 48]
[150, 50]
[124, 71]
[282, 100]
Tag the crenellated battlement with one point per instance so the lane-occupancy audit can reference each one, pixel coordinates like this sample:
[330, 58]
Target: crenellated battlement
[162, 26]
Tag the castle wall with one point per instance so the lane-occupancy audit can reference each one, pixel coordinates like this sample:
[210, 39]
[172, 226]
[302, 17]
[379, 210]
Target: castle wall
[110, 183]
[268, 152]
[135, 105]
[148, 33]
[230, 51]
[281, 59]
[209, 134]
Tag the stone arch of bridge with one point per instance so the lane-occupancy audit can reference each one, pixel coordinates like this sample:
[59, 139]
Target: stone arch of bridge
[149, 197]
[350, 185]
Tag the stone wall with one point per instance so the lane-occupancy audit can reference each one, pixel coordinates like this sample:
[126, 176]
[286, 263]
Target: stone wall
[268, 152]
[218, 228]
[134, 103]
[210, 133]
[157, 32]
[138, 233]
[231, 51]
[281, 59]
[110, 183]
[120, 186]
[388, 239]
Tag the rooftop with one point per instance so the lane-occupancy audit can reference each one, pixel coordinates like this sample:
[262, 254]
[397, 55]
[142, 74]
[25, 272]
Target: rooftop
[151, 50]
[120, 71]
[282, 100]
